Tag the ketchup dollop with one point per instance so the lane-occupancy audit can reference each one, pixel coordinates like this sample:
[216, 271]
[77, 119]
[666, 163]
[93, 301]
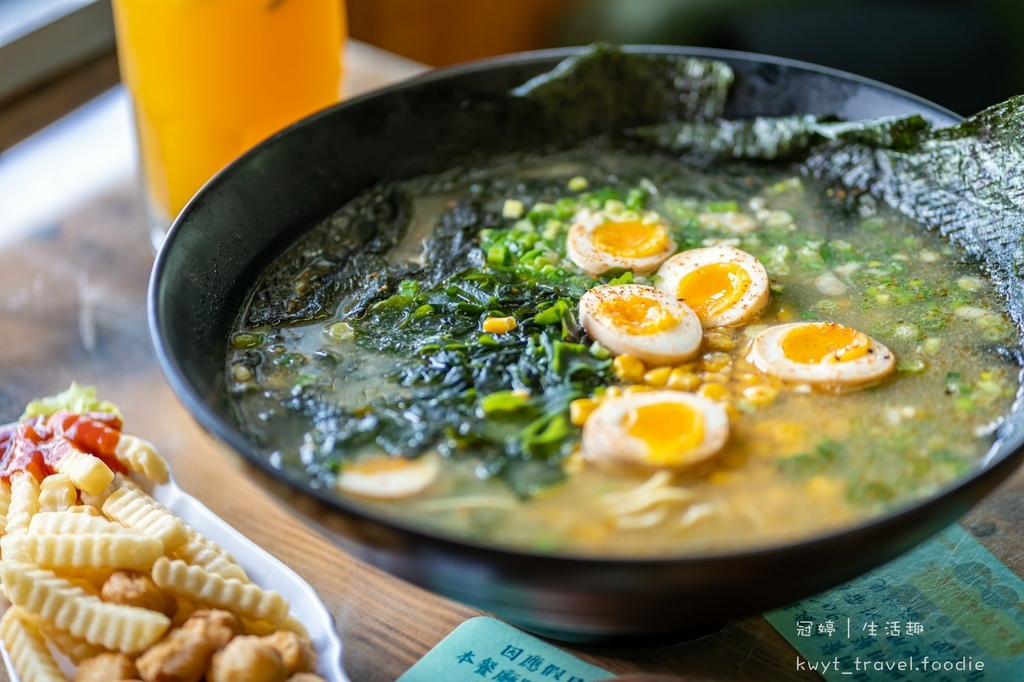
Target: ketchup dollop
[36, 445]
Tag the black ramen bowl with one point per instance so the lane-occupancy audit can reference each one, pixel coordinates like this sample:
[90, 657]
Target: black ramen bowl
[263, 202]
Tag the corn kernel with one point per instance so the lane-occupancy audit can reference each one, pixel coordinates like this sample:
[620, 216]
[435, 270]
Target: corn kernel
[513, 209]
[499, 325]
[637, 388]
[716, 392]
[714, 378]
[714, 362]
[682, 380]
[823, 486]
[789, 435]
[657, 377]
[720, 477]
[613, 392]
[580, 410]
[240, 372]
[749, 379]
[785, 314]
[578, 184]
[719, 341]
[760, 395]
[628, 368]
[595, 534]
[574, 463]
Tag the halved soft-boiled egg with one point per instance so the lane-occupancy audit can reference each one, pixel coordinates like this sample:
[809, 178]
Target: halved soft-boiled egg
[386, 477]
[599, 241]
[825, 354]
[642, 321]
[656, 429]
[724, 285]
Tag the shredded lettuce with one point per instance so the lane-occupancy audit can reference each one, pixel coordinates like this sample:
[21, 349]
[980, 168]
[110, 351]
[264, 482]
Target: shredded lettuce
[77, 398]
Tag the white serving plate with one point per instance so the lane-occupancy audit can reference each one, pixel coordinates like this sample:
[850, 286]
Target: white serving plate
[263, 569]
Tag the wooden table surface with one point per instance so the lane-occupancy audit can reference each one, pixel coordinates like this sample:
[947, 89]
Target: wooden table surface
[72, 307]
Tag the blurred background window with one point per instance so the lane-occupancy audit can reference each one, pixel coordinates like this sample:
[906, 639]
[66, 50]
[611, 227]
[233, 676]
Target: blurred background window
[42, 39]
[55, 55]
[962, 54]
[958, 53]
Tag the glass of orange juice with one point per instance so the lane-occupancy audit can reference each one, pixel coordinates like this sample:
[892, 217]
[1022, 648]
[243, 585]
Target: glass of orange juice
[210, 78]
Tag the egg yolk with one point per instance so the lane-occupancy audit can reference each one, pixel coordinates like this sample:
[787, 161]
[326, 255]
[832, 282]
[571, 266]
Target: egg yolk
[374, 466]
[629, 238]
[670, 430]
[714, 288]
[635, 315]
[827, 342]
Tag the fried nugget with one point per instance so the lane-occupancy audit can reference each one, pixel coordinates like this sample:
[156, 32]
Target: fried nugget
[107, 667]
[247, 659]
[296, 652]
[182, 656]
[137, 589]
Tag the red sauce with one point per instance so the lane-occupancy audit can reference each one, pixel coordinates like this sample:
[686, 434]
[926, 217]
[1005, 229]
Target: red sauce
[37, 445]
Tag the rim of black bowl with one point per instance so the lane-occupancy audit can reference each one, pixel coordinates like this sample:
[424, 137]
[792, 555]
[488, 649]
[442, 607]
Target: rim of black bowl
[989, 467]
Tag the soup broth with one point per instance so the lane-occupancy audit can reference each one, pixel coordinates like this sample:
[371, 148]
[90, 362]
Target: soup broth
[447, 386]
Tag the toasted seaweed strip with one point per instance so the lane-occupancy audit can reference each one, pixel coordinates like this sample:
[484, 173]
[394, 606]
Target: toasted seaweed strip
[342, 267]
[303, 283]
[964, 181]
[601, 89]
[778, 139]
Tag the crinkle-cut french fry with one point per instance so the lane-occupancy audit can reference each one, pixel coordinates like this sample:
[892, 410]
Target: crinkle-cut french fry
[57, 493]
[5, 503]
[96, 501]
[24, 502]
[88, 473]
[208, 555]
[93, 550]
[140, 512]
[141, 457]
[27, 648]
[75, 648]
[245, 600]
[89, 579]
[51, 523]
[86, 509]
[122, 481]
[199, 550]
[128, 629]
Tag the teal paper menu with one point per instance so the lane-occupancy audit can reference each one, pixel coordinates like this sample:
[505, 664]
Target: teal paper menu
[488, 649]
[946, 611]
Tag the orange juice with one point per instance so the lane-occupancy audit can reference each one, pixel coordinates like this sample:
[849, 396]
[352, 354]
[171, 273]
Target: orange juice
[210, 78]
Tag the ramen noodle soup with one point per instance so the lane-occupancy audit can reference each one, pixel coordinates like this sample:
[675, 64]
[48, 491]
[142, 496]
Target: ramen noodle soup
[601, 353]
